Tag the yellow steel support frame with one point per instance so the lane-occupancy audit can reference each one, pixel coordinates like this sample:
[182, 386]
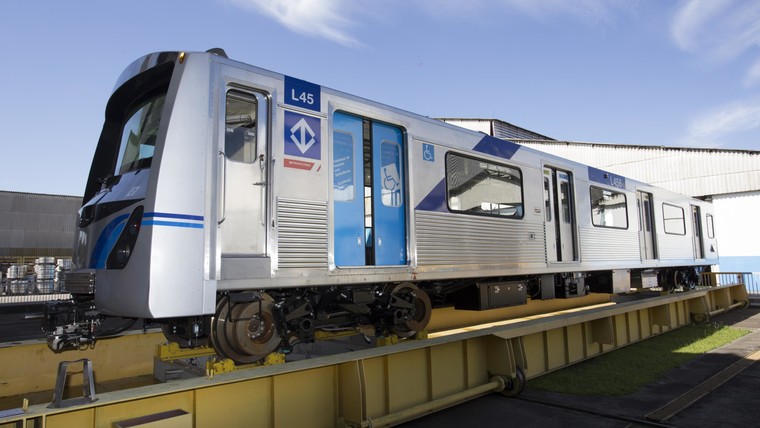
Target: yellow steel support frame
[390, 384]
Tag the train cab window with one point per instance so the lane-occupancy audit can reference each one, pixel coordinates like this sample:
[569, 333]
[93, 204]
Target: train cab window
[138, 136]
[710, 226]
[479, 187]
[240, 127]
[608, 208]
[674, 219]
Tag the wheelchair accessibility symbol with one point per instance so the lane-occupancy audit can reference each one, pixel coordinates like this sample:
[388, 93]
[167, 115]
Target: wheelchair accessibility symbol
[428, 153]
[391, 190]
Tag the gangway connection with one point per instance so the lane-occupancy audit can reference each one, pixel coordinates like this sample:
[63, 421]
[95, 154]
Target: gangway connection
[386, 385]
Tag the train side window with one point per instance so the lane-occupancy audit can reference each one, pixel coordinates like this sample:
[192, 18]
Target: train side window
[710, 226]
[480, 187]
[608, 208]
[674, 219]
[240, 127]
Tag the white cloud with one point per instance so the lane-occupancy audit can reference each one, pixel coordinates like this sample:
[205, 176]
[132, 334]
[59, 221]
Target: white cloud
[691, 18]
[589, 11]
[329, 19]
[719, 30]
[332, 19]
[753, 74]
[713, 128]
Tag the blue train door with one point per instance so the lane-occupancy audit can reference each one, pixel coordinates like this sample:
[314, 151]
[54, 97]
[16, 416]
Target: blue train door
[388, 195]
[369, 200]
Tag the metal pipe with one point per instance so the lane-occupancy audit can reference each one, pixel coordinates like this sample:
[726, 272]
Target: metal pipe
[497, 384]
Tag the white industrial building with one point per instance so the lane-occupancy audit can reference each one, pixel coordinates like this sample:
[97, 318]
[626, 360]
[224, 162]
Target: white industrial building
[730, 178]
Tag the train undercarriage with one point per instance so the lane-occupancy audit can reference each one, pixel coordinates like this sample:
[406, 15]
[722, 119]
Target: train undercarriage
[249, 325]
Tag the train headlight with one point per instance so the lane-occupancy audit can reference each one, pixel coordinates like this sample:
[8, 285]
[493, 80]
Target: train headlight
[122, 250]
[122, 253]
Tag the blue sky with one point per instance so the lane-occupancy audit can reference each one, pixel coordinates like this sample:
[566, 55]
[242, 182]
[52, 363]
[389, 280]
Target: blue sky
[671, 73]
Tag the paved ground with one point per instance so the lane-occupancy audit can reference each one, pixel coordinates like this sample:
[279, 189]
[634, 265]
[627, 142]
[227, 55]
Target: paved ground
[734, 404]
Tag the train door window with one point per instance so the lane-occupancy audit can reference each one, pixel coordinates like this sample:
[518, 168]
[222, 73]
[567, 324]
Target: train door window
[368, 160]
[476, 186]
[240, 127]
[608, 208]
[564, 200]
[710, 226]
[344, 180]
[547, 200]
[647, 238]
[697, 225]
[673, 219]
[390, 153]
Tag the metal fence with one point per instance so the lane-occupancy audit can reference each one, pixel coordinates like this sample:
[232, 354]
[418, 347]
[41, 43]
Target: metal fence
[751, 280]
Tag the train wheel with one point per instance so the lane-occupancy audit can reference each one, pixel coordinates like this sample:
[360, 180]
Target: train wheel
[412, 309]
[245, 332]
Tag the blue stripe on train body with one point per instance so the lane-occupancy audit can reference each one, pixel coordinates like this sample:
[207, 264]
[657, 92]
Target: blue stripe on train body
[436, 199]
[112, 231]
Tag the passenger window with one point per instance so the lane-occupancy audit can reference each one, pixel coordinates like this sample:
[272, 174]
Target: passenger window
[608, 208]
[710, 227]
[240, 127]
[674, 219]
[479, 187]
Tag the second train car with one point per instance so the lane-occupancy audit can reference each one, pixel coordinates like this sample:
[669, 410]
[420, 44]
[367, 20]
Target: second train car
[250, 209]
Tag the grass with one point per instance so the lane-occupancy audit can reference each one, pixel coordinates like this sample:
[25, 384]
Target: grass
[626, 370]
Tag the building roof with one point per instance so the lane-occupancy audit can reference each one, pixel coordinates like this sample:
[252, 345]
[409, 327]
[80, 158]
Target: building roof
[696, 172]
[693, 171]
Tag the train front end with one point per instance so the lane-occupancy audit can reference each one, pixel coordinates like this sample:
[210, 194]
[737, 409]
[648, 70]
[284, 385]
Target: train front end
[139, 250]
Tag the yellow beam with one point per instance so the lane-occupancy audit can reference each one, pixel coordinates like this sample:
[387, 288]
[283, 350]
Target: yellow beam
[388, 384]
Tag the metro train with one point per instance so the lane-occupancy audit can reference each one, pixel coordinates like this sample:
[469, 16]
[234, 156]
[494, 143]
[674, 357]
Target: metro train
[249, 210]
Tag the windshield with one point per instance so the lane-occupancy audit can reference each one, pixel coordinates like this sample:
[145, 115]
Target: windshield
[138, 137]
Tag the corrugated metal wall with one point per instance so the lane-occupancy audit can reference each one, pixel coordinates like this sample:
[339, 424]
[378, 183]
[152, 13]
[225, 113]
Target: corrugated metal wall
[37, 225]
[690, 171]
[694, 172]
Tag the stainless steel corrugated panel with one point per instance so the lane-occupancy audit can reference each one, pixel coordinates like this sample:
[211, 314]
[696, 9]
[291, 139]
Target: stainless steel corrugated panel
[609, 245]
[301, 234]
[444, 239]
[674, 247]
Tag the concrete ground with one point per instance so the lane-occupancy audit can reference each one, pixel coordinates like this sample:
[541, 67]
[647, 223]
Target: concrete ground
[736, 403]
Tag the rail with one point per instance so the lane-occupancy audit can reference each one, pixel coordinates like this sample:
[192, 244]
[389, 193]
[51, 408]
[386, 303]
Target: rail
[751, 280]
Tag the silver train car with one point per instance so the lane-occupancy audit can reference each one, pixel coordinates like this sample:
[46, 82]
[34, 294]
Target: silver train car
[251, 210]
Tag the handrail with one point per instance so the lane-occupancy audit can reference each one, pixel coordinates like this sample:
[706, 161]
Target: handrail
[751, 280]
